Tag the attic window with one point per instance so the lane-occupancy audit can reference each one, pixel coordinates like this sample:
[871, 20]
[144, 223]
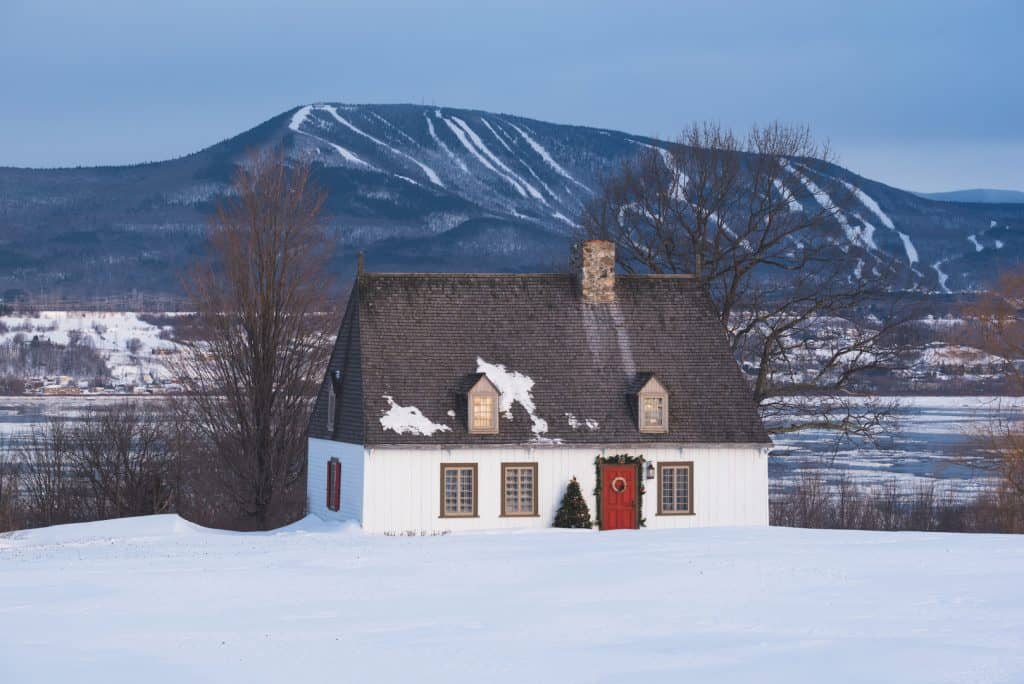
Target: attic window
[482, 407]
[652, 408]
[331, 407]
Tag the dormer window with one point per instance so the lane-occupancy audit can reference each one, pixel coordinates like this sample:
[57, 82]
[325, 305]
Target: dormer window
[653, 410]
[652, 404]
[482, 406]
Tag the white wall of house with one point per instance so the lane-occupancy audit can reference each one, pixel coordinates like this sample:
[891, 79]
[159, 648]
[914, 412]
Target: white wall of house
[402, 486]
[352, 461]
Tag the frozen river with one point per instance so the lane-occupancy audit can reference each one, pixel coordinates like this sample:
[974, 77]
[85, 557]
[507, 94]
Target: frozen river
[935, 440]
[932, 441]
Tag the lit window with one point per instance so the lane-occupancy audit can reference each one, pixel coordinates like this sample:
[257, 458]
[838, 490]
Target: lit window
[519, 489]
[483, 413]
[675, 488]
[654, 412]
[458, 490]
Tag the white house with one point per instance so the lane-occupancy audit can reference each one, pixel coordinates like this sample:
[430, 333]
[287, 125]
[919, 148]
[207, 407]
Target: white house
[469, 401]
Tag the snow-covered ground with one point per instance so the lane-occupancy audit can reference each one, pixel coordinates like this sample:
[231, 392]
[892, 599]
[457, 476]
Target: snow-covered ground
[160, 600]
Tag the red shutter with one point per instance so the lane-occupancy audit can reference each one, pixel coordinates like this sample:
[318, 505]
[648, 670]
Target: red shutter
[334, 484]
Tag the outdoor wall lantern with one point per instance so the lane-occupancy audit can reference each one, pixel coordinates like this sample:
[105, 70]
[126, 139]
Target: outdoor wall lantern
[650, 470]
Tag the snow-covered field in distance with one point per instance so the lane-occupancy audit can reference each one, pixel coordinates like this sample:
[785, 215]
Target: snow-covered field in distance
[158, 599]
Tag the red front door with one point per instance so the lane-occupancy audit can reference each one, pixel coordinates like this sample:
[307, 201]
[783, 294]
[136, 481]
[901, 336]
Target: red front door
[619, 497]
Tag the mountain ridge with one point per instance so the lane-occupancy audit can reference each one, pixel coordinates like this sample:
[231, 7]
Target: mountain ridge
[417, 188]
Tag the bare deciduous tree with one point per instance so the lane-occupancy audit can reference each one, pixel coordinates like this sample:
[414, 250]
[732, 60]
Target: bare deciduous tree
[263, 329]
[998, 324]
[53, 494]
[10, 487]
[763, 222]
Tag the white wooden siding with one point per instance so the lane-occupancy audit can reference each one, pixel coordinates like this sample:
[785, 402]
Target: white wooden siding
[352, 459]
[402, 490]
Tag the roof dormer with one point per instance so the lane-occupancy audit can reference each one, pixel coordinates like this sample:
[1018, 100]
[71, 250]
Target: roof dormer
[482, 399]
[651, 404]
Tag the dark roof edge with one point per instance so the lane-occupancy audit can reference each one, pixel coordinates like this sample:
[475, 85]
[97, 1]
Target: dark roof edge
[582, 445]
[402, 274]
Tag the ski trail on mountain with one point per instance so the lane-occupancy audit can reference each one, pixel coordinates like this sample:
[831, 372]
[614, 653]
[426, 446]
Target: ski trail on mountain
[495, 134]
[519, 159]
[875, 209]
[483, 160]
[860, 237]
[511, 175]
[431, 174]
[393, 127]
[299, 118]
[546, 156]
[433, 134]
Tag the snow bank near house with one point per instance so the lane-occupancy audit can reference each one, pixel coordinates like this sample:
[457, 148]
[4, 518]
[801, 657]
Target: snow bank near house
[161, 600]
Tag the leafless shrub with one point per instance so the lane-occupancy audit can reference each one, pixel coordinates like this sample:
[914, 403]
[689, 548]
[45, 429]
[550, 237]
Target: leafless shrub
[53, 495]
[125, 457]
[813, 502]
[11, 502]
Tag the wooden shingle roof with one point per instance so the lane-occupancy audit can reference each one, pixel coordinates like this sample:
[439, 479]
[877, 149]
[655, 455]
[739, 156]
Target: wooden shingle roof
[413, 340]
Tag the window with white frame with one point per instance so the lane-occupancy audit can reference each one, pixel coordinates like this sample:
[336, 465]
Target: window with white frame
[675, 488]
[653, 413]
[458, 490]
[519, 489]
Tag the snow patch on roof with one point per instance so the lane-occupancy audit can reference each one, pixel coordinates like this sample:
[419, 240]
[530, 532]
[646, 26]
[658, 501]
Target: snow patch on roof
[999, 244]
[403, 419]
[576, 424]
[973, 239]
[513, 387]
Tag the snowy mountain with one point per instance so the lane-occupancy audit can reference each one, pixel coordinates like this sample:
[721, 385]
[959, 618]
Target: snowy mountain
[419, 188]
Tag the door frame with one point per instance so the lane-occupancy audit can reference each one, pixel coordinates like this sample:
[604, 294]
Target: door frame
[637, 498]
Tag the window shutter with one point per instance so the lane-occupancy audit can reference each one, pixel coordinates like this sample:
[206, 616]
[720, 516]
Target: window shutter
[334, 484]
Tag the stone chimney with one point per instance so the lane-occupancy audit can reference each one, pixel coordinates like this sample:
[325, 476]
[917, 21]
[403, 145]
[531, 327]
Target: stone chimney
[595, 270]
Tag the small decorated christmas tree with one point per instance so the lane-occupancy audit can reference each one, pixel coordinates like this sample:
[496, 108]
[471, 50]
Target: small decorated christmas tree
[573, 512]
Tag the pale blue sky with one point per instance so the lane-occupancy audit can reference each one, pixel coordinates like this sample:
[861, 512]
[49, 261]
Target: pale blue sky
[922, 95]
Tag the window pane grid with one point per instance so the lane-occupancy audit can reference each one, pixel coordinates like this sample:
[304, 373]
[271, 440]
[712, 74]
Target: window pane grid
[519, 490]
[483, 412]
[654, 411]
[675, 489]
[458, 491]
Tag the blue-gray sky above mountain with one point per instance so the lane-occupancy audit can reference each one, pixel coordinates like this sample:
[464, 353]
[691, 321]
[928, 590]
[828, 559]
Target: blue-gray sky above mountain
[922, 95]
